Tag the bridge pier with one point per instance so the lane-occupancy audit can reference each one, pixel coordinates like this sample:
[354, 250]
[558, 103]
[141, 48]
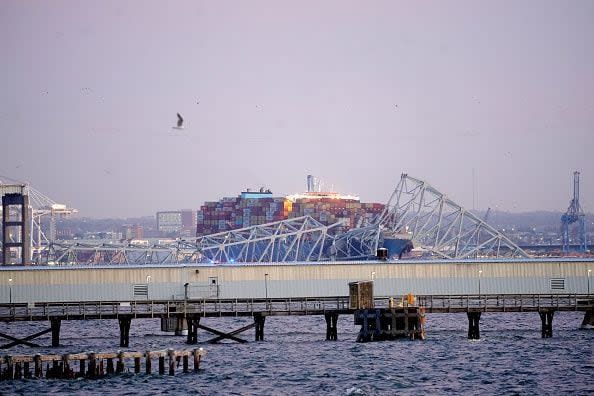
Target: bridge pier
[331, 329]
[192, 322]
[124, 322]
[588, 322]
[259, 322]
[473, 325]
[55, 326]
[546, 317]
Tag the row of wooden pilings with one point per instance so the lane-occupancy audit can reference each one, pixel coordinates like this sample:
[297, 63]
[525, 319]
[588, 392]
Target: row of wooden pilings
[99, 364]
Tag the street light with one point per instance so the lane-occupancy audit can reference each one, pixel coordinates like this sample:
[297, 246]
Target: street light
[10, 290]
[479, 281]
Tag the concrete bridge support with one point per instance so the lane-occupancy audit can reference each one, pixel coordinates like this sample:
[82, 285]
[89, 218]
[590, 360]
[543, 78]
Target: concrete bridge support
[193, 322]
[124, 322]
[588, 322]
[55, 326]
[331, 329]
[259, 322]
[473, 325]
[546, 317]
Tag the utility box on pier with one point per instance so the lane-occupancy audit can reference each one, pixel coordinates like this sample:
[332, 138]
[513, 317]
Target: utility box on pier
[361, 295]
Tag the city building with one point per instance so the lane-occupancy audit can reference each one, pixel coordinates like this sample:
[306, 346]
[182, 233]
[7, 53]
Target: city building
[177, 222]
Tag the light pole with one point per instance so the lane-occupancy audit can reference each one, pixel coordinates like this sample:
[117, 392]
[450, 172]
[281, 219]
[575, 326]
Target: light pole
[479, 280]
[10, 290]
[266, 288]
[589, 272]
[148, 280]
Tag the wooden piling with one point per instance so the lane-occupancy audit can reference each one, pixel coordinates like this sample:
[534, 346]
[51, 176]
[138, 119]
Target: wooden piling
[390, 323]
[120, 365]
[81, 367]
[17, 367]
[147, 364]
[38, 366]
[161, 364]
[136, 364]
[171, 361]
[92, 365]
[9, 368]
[197, 355]
[18, 373]
[110, 369]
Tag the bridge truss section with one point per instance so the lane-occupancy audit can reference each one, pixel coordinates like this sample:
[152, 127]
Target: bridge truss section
[84, 254]
[300, 239]
[441, 226]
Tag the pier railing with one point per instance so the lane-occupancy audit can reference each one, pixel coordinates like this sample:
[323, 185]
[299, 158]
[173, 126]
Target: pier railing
[83, 310]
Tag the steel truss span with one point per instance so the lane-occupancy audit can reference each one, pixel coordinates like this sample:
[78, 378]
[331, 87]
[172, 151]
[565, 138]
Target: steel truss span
[294, 240]
[75, 254]
[441, 226]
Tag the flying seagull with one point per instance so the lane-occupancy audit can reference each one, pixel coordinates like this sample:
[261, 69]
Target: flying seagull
[180, 122]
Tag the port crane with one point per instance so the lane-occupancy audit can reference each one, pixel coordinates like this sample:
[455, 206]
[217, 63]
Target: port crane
[574, 214]
[40, 206]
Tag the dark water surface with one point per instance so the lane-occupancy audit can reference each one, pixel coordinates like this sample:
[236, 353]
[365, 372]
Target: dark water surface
[510, 358]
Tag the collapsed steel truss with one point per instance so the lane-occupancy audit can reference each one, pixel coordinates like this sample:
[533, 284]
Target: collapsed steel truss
[298, 239]
[415, 210]
[441, 226]
[107, 253]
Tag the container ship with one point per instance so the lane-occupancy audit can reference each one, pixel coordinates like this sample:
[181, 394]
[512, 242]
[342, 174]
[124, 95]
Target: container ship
[257, 207]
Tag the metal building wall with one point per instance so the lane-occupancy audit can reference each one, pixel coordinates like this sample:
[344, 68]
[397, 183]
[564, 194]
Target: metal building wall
[36, 284]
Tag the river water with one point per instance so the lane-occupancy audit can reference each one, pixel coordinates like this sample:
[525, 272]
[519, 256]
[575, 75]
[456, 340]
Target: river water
[510, 358]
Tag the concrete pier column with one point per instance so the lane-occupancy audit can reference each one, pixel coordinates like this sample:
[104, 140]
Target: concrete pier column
[546, 317]
[193, 322]
[473, 325]
[259, 321]
[124, 322]
[55, 325]
[331, 330]
[588, 322]
[181, 326]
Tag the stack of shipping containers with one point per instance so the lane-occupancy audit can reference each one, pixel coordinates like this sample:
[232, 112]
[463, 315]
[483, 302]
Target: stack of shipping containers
[254, 208]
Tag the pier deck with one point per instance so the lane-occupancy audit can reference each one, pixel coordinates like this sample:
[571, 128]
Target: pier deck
[86, 310]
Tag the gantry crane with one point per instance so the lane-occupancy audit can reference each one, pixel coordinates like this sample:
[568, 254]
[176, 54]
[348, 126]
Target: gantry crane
[40, 206]
[574, 214]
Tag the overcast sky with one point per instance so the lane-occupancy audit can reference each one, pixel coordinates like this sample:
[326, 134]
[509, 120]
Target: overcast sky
[353, 92]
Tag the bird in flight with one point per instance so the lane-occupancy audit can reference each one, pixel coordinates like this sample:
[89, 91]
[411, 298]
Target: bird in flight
[180, 122]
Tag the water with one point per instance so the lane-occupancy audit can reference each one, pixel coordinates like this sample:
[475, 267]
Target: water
[510, 358]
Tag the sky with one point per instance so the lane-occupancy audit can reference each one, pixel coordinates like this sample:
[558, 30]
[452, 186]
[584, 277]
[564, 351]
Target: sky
[491, 102]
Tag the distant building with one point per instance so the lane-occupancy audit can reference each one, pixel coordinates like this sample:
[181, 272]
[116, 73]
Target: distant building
[188, 219]
[169, 222]
[181, 222]
[132, 231]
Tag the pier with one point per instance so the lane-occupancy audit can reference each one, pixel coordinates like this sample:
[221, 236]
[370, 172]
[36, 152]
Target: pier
[193, 313]
[96, 365]
[189, 298]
